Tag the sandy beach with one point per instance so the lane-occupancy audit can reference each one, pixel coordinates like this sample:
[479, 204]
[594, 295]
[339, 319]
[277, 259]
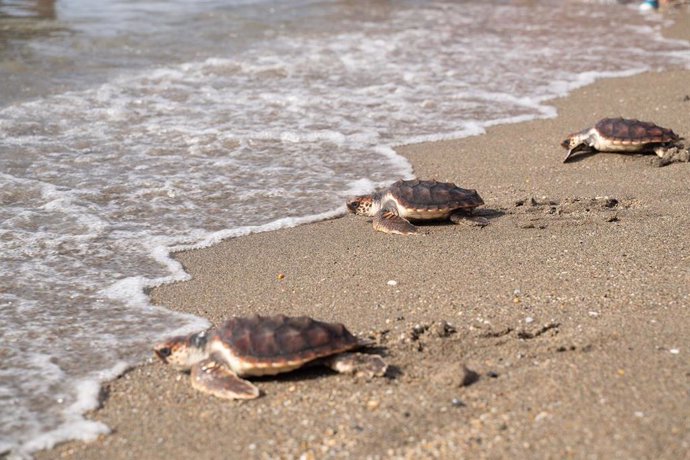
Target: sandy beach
[571, 306]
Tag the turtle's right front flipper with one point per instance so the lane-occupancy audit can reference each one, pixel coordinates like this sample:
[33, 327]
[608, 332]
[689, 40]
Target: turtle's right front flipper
[390, 222]
[214, 378]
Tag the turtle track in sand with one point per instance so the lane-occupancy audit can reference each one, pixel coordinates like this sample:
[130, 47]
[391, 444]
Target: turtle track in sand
[543, 212]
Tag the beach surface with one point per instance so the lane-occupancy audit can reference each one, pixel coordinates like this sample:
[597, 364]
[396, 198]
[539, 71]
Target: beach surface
[571, 306]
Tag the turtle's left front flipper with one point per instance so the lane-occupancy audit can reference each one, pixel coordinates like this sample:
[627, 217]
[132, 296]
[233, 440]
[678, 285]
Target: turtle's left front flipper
[214, 378]
[359, 364]
[389, 221]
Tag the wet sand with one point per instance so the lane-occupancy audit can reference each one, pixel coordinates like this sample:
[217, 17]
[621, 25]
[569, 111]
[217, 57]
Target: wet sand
[571, 306]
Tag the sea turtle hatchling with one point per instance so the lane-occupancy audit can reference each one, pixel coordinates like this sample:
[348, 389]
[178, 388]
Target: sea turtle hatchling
[245, 347]
[621, 135]
[417, 200]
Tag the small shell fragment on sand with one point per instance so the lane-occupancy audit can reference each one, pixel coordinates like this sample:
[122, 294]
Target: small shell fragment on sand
[373, 404]
[457, 402]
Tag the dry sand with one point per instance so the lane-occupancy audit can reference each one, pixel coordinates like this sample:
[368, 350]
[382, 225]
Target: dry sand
[573, 311]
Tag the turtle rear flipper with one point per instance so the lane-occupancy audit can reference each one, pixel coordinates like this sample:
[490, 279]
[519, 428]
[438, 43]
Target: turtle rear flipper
[214, 378]
[388, 221]
[359, 364]
[466, 218]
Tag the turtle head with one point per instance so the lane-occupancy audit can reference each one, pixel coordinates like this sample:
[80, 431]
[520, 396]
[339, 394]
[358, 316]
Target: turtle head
[183, 351]
[577, 142]
[361, 205]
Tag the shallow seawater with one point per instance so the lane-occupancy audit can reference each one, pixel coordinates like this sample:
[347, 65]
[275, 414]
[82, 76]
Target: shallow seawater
[134, 128]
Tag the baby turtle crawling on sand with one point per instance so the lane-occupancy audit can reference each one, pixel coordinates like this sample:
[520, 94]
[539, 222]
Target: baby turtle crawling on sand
[245, 347]
[621, 135]
[417, 200]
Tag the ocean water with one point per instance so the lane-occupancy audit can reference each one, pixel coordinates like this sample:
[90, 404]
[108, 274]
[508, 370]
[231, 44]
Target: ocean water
[131, 129]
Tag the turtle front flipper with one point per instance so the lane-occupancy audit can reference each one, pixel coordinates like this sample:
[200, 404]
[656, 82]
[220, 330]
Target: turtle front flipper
[359, 364]
[466, 218]
[568, 155]
[211, 376]
[389, 221]
[580, 148]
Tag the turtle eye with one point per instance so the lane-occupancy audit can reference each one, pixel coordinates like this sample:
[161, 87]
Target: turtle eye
[163, 352]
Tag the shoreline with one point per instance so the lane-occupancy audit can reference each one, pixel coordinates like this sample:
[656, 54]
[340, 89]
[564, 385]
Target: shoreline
[574, 386]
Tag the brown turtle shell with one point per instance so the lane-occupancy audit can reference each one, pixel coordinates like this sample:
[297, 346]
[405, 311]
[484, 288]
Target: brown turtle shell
[628, 131]
[429, 194]
[280, 338]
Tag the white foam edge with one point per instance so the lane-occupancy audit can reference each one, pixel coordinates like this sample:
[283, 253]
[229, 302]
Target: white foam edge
[132, 290]
[474, 128]
[285, 222]
[559, 89]
[76, 427]
[406, 171]
[562, 88]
